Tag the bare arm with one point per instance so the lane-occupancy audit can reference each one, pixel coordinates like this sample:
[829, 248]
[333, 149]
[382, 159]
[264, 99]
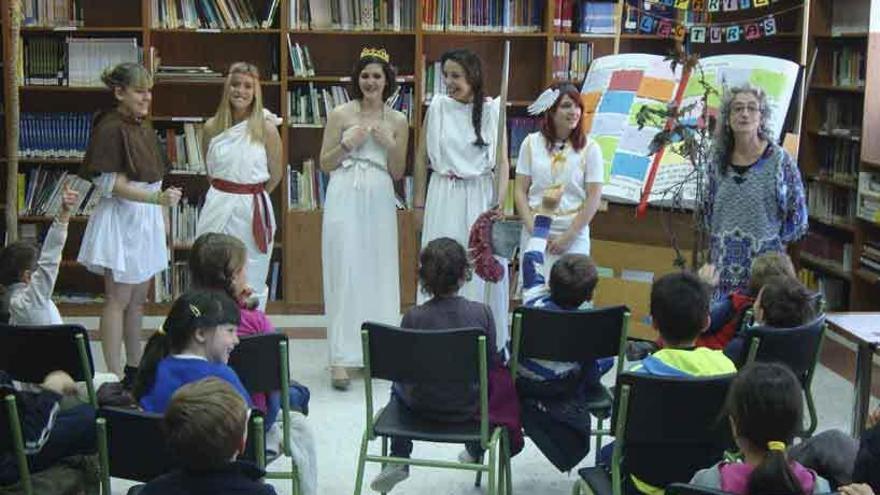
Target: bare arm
[591, 206]
[124, 189]
[332, 151]
[521, 198]
[397, 155]
[207, 136]
[273, 153]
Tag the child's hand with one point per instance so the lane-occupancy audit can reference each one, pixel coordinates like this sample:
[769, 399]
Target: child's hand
[59, 382]
[856, 489]
[709, 274]
[69, 199]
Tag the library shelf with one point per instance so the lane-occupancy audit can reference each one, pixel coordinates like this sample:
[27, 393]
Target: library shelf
[868, 276]
[49, 161]
[182, 81]
[843, 36]
[214, 31]
[835, 223]
[851, 183]
[352, 32]
[186, 246]
[827, 266]
[582, 36]
[832, 135]
[341, 79]
[485, 34]
[81, 29]
[55, 88]
[48, 218]
[838, 89]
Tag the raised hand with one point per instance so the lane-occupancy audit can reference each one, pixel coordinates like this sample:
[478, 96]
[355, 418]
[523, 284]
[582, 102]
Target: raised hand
[69, 199]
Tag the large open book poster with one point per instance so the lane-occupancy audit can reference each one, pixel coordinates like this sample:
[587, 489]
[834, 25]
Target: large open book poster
[618, 86]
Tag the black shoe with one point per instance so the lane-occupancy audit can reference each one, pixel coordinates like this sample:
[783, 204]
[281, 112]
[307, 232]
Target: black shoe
[129, 374]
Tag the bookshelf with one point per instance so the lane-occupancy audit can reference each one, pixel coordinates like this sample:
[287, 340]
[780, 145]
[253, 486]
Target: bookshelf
[414, 41]
[835, 146]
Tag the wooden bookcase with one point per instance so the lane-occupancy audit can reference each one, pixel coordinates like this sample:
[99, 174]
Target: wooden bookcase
[826, 143]
[616, 234]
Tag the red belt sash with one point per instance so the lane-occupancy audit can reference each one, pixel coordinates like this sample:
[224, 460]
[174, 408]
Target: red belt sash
[262, 219]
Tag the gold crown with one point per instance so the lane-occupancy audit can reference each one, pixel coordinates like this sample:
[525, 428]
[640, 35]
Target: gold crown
[379, 53]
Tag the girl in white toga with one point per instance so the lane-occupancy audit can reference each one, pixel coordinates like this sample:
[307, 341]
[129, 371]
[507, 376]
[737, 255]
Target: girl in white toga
[459, 142]
[243, 155]
[364, 149]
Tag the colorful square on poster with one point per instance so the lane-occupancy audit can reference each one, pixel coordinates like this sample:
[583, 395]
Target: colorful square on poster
[617, 102]
[637, 141]
[607, 124]
[732, 77]
[588, 122]
[608, 145]
[657, 89]
[625, 80]
[773, 83]
[656, 121]
[629, 165]
[591, 100]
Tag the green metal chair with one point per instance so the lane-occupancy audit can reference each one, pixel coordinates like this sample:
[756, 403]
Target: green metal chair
[261, 362]
[135, 442]
[426, 357]
[798, 348]
[573, 336]
[666, 428]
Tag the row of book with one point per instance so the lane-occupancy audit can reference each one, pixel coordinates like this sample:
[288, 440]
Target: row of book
[584, 16]
[830, 203]
[306, 187]
[840, 160]
[176, 279]
[869, 197]
[571, 61]
[208, 14]
[54, 134]
[842, 117]
[310, 105]
[483, 15]
[517, 130]
[51, 13]
[57, 61]
[183, 147]
[848, 66]
[184, 219]
[300, 59]
[40, 188]
[353, 15]
[833, 289]
[870, 257]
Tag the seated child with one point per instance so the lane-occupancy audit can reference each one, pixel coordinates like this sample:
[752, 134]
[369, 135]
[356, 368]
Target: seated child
[783, 302]
[443, 269]
[765, 407]
[727, 313]
[218, 262]
[194, 343]
[28, 274]
[55, 425]
[572, 280]
[680, 313]
[206, 427]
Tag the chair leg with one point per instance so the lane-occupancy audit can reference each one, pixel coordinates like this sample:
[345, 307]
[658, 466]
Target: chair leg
[508, 474]
[295, 488]
[600, 424]
[359, 480]
[811, 409]
[490, 490]
[384, 453]
[580, 488]
[479, 477]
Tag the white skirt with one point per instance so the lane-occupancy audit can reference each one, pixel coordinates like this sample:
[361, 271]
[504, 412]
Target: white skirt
[125, 237]
[360, 258]
[232, 214]
[451, 208]
[580, 245]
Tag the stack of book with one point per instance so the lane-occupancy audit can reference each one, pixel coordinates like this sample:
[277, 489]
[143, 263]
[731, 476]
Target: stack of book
[300, 59]
[310, 105]
[39, 192]
[483, 16]
[353, 15]
[848, 67]
[184, 219]
[183, 149]
[54, 135]
[50, 61]
[870, 258]
[306, 188]
[191, 73]
[206, 14]
[571, 61]
[869, 197]
[841, 160]
[828, 249]
[51, 13]
[584, 16]
[830, 203]
[833, 289]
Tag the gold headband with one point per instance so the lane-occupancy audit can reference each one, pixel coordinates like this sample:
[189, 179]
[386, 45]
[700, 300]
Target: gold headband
[774, 445]
[379, 53]
[195, 310]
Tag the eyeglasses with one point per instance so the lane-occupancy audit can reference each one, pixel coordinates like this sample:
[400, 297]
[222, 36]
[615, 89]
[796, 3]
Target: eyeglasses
[735, 109]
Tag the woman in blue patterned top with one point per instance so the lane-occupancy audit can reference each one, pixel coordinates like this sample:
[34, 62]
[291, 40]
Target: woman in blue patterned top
[755, 199]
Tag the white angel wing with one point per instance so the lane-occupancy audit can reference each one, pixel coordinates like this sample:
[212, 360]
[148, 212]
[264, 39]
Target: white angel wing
[545, 101]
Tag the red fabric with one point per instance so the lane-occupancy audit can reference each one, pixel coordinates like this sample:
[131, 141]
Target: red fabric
[480, 247]
[504, 406]
[261, 227]
[719, 339]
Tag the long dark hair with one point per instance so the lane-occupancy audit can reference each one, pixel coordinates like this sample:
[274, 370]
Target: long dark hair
[765, 404]
[213, 261]
[191, 311]
[473, 70]
[577, 137]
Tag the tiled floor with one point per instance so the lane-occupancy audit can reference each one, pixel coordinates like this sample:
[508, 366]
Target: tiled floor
[337, 420]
